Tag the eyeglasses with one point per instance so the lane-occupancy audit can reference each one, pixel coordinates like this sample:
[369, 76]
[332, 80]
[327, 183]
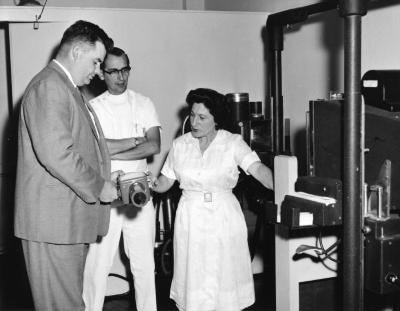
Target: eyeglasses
[115, 72]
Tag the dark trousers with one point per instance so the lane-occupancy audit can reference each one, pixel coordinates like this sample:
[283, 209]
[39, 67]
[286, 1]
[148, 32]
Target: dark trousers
[55, 274]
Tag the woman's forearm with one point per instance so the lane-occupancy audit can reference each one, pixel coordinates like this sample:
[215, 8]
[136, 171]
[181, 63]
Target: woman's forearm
[162, 184]
[263, 174]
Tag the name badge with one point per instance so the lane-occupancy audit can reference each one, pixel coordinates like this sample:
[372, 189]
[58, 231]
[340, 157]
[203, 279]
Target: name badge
[208, 197]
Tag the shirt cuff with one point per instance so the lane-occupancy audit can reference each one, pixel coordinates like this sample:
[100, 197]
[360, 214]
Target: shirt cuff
[248, 160]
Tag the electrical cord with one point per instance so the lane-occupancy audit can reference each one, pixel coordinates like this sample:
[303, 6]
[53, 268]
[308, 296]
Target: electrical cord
[111, 297]
[164, 237]
[320, 250]
[327, 252]
[184, 124]
[38, 17]
[119, 276]
[166, 257]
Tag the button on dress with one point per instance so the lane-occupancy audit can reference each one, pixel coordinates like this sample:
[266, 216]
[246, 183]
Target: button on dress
[212, 265]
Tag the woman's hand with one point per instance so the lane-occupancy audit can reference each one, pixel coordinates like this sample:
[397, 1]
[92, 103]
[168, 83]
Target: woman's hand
[154, 183]
[151, 179]
[161, 184]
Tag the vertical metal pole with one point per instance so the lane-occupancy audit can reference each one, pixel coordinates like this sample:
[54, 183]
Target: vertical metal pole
[9, 78]
[276, 87]
[277, 102]
[352, 211]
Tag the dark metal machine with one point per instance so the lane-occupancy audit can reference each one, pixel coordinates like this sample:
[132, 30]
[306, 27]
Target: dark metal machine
[254, 126]
[344, 150]
[382, 167]
[381, 89]
[324, 212]
[381, 225]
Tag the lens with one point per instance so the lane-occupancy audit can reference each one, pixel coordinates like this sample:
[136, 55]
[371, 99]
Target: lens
[139, 198]
[137, 194]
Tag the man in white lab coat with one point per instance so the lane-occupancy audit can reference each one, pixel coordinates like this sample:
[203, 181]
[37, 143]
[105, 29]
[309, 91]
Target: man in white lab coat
[132, 130]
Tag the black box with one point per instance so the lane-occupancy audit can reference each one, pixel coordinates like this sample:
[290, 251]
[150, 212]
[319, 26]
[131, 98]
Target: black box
[382, 254]
[322, 186]
[380, 88]
[323, 215]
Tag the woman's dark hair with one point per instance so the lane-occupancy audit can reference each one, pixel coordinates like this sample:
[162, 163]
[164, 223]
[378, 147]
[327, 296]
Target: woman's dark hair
[214, 102]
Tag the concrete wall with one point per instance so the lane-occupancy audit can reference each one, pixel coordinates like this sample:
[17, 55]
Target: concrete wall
[211, 5]
[256, 5]
[313, 60]
[133, 4]
[172, 52]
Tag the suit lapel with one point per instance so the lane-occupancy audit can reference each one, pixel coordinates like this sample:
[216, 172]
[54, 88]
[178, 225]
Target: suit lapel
[99, 136]
[77, 95]
[102, 145]
[84, 107]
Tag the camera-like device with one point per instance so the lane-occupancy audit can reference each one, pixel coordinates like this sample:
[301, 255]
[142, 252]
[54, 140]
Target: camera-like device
[134, 188]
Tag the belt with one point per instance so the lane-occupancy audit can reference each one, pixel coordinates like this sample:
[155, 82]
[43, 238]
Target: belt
[206, 197]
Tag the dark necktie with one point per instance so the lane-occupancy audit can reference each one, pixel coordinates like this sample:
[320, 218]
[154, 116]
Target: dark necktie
[105, 155]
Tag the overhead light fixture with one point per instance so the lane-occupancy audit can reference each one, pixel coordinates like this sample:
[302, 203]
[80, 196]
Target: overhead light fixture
[32, 3]
[27, 2]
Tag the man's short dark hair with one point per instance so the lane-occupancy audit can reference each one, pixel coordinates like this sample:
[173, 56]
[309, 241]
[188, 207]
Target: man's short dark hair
[87, 32]
[116, 52]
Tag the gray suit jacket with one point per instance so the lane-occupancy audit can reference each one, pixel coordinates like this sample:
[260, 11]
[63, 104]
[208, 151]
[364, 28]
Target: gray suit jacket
[62, 164]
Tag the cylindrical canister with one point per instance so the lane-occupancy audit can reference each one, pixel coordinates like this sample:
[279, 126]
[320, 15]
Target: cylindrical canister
[256, 110]
[239, 105]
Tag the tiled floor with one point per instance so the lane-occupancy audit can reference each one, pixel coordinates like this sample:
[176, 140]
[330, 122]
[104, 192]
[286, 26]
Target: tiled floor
[15, 292]
[124, 303]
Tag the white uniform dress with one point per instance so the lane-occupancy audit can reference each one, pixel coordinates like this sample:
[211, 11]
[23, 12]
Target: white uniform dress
[129, 114]
[212, 265]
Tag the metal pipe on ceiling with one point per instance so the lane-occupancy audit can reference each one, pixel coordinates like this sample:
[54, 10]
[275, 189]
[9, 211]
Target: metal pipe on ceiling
[274, 26]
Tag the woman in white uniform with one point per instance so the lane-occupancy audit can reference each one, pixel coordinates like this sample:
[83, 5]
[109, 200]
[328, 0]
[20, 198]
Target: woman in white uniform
[212, 265]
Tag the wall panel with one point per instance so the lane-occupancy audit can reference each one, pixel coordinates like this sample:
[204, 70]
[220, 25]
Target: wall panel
[171, 52]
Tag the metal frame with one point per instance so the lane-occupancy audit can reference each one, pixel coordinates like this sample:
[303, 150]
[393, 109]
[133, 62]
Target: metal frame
[351, 11]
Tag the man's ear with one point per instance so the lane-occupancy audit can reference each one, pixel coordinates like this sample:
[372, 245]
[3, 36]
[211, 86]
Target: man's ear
[75, 51]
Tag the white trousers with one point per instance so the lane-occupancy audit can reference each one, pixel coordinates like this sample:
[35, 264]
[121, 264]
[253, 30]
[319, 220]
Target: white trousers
[138, 229]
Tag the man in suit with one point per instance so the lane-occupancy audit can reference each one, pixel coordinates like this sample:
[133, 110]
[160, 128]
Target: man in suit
[63, 175]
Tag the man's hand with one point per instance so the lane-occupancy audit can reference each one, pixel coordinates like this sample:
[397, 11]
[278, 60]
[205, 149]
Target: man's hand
[108, 193]
[116, 174]
[152, 180]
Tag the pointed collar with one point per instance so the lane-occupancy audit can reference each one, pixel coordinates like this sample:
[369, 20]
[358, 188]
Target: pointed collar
[67, 73]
